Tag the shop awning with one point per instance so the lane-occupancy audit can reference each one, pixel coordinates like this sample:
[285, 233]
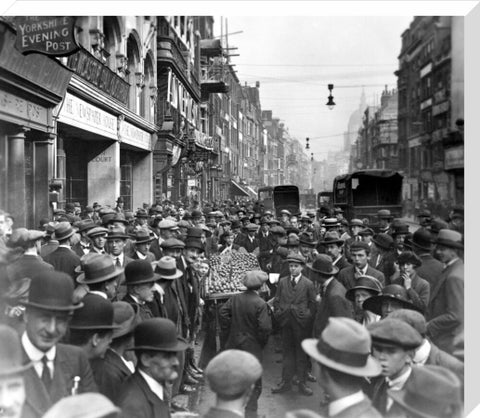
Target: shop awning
[252, 192]
[237, 190]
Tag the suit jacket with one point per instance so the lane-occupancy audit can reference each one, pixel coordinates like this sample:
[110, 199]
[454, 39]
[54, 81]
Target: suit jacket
[110, 373]
[214, 412]
[438, 357]
[138, 401]
[431, 269]
[244, 241]
[48, 248]
[143, 310]
[64, 259]
[346, 276]
[27, 266]
[70, 361]
[265, 246]
[333, 303]
[363, 409]
[77, 249]
[445, 313]
[386, 265]
[156, 249]
[342, 263]
[246, 321]
[419, 292]
[297, 303]
[150, 257]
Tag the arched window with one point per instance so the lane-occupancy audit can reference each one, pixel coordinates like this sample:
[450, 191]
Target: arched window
[148, 95]
[111, 41]
[134, 74]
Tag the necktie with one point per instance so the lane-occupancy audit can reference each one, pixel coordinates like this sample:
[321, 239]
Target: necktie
[46, 377]
[118, 264]
[293, 281]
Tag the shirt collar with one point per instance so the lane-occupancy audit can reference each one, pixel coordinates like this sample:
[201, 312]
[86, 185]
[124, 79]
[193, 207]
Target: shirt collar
[97, 292]
[363, 271]
[121, 257]
[154, 386]
[136, 299]
[422, 353]
[335, 407]
[451, 262]
[65, 246]
[337, 259]
[399, 382]
[296, 278]
[327, 282]
[141, 256]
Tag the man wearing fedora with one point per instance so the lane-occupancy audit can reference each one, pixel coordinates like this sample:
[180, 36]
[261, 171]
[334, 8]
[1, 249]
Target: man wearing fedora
[445, 313]
[98, 237]
[12, 371]
[366, 287]
[119, 207]
[360, 253]
[332, 301]
[30, 263]
[101, 276]
[232, 376]
[428, 353]
[140, 279]
[400, 233]
[83, 246]
[112, 370]
[393, 344]
[385, 218]
[422, 245]
[342, 377]
[63, 258]
[294, 310]
[156, 345]
[246, 321]
[307, 246]
[58, 369]
[116, 245]
[431, 391]
[142, 241]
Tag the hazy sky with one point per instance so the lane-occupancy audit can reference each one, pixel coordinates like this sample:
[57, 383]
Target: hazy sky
[295, 58]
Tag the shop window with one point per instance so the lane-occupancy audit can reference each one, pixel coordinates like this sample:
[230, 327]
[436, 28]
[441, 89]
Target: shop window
[126, 181]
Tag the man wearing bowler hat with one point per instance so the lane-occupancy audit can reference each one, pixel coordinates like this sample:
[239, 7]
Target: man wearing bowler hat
[422, 245]
[114, 368]
[383, 257]
[12, 371]
[63, 258]
[83, 246]
[342, 375]
[59, 370]
[232, 376]
[393, 344]
[246, 321]
[140, 279]
[156, 345]
[294, 310]
[333, 245]
[360, 253]
[445, 313]
[101, 276]
[332, 301]
[385, 218]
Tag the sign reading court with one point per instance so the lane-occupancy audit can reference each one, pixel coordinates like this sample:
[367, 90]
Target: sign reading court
[49, 35]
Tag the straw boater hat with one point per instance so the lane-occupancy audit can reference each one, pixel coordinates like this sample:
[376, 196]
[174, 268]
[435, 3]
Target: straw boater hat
[344, 345]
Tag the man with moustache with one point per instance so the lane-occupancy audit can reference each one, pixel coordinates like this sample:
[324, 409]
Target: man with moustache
[156, 345]
[58, 369]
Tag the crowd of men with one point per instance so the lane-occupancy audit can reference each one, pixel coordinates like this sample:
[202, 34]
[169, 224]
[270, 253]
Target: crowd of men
[102, 309]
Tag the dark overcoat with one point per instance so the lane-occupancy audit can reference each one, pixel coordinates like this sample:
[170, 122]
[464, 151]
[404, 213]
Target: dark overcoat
[347, 277]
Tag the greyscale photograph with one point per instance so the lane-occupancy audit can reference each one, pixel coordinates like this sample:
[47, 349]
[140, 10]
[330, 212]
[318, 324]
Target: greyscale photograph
[227, 216]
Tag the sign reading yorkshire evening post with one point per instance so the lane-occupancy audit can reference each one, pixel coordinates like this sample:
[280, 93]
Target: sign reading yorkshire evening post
[49, 35]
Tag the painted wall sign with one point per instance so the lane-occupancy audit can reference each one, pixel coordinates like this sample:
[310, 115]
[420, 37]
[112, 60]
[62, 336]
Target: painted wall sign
[79, 113]
[25, 110]
[49, 35]
[132, 135]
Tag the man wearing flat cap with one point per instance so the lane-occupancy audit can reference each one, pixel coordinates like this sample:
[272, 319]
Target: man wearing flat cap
[245, 319]
[63, 258]
[393, 344]
[342, 376]
[142, 242]
[156, 345]
[12, 371]
[30, 263]
[58, 369]
[360, 253]
[294, 310]
[232, 375]
[249, 241]
[445, 313]
[98, 237]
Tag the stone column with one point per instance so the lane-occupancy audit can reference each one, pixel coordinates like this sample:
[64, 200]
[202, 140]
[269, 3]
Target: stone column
[16, 176]
[142, 181]
[43, 169]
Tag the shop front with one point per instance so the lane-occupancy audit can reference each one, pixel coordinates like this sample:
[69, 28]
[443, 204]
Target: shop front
[31, 87]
